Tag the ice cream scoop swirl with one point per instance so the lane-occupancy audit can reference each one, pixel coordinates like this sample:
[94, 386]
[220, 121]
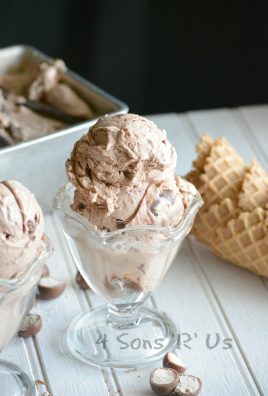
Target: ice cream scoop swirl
[119, 151]
[21, 229]
[123, 168]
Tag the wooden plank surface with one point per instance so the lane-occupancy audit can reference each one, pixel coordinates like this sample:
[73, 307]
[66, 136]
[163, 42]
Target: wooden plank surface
[203, 294]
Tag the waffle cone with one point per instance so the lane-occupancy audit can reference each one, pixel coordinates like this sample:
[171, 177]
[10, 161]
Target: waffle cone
[244, 241]
[223, 173]
[254, 191]
[233, 221]
[194, 177]
[218, 171]
[203, 150]
[213, 217]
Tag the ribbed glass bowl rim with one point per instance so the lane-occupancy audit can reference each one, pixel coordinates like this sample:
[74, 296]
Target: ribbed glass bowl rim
[17, 283]
[172, 231]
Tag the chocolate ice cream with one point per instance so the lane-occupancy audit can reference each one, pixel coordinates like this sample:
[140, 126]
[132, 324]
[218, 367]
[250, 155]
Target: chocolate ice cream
[21, 229]
[50, 87]
[22, 249]
[37, 101]
[18, 123]
[123, 171]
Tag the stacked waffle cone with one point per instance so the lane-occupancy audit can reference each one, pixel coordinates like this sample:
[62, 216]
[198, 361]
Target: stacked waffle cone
[234, 219]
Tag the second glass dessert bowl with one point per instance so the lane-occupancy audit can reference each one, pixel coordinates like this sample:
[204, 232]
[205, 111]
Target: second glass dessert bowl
[16, 296]
[123, 267]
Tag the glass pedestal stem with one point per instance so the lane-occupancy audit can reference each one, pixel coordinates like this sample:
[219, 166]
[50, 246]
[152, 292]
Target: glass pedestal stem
[123, 317]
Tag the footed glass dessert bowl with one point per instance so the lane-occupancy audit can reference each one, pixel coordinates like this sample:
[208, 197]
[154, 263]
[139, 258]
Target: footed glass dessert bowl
[123, 267]
[15, 300]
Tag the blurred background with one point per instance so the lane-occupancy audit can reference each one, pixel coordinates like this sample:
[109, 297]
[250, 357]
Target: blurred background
[157, 56]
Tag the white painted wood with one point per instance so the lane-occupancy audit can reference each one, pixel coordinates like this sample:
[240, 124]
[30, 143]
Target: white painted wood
[255, 139]
[257, 118]
[16, 352]
[256, 122]
[202, 294]
[221, 123]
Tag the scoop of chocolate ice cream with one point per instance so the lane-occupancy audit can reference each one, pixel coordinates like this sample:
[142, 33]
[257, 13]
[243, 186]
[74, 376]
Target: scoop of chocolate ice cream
[123, 171]
[50, 88]
[21, 229]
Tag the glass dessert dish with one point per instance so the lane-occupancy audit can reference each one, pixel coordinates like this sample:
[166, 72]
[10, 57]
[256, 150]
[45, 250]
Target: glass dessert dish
[15, 300]
[123, 267]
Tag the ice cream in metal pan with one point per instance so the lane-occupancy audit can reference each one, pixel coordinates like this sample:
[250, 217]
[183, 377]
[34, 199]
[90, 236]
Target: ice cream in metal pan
[38, 79]
[36, 101]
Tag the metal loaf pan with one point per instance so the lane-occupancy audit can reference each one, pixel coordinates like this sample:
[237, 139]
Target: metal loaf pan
[40, 163]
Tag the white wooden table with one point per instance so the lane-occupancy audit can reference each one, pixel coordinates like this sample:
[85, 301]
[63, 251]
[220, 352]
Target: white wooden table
[206, 296]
